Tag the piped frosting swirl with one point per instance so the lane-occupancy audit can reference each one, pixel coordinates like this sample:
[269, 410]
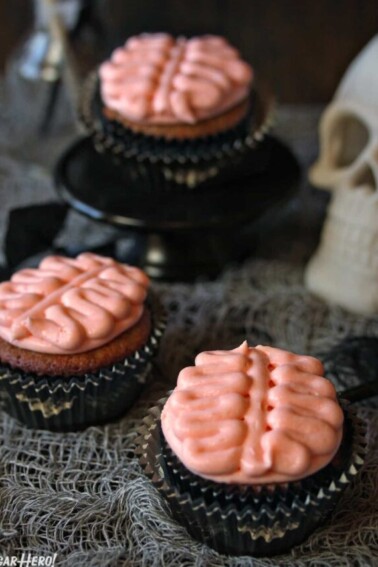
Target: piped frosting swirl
[156, 78]
[253, 416]
[68, 306]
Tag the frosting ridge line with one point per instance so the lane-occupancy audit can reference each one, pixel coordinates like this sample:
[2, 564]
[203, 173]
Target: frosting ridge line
[51, 298]
[173, 62]
[252, 458]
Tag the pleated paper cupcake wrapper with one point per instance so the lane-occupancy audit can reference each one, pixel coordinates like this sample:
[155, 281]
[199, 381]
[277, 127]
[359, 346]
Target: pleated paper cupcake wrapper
[184, 163]
[156, 179]
[60, 403]
[259, 521]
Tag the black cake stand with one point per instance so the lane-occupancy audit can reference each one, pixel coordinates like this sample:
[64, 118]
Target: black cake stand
[178, 234]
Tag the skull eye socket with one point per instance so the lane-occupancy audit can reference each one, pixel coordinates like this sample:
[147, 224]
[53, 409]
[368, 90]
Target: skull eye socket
[348, 138]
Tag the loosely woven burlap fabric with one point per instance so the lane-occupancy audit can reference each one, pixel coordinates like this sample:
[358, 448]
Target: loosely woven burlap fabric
[82, 495]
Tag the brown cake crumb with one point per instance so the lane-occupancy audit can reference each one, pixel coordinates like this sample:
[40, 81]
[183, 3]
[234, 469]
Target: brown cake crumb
[229, 119]
[76, 364]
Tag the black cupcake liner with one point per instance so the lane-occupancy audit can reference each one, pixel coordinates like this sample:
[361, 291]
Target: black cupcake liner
[156, 178]
[59, 403]
[264, 520]
[186, 163]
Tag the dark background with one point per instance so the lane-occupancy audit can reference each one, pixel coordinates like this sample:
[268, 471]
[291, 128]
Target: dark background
[301, 47]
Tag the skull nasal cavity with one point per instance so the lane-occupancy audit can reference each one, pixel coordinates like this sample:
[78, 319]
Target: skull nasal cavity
[348, 138]
[365, 178]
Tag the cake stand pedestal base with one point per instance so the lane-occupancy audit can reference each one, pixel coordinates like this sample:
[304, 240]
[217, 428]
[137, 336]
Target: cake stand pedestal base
[179, 234]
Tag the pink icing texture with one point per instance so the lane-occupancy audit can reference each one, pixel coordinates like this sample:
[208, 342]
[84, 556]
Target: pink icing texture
[253, 416]
[156, 78]
[67, 306]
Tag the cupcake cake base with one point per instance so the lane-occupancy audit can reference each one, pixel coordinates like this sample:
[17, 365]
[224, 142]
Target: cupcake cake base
[185, 161]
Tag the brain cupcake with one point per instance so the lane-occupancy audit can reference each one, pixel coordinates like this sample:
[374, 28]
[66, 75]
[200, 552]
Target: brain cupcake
[255, 449]
[76, 340]
[187, 105]
[176, 87]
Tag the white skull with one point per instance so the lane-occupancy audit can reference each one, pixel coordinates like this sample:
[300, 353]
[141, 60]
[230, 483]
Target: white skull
[344, 269]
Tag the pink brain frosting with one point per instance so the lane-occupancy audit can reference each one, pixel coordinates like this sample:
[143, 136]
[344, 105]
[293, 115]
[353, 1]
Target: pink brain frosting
[69, 306]
[159, 79]
[253, 416]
